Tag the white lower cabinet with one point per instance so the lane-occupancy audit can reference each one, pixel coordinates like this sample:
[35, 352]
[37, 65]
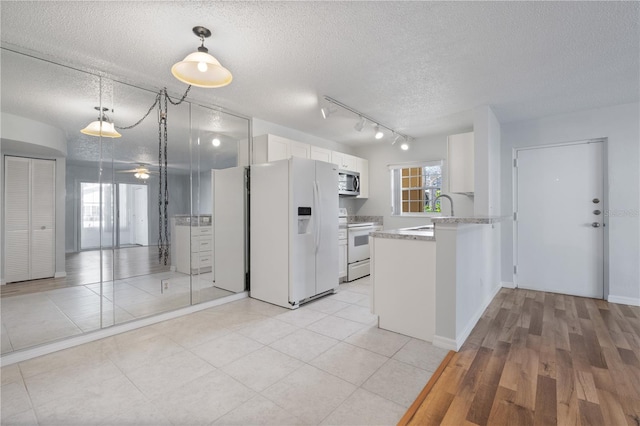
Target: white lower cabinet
[403, 286]
[194, 249]
[342, 258]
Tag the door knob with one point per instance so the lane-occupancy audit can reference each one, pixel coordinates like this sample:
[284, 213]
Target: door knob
[597, 212]
[595, 225]
[595, 201]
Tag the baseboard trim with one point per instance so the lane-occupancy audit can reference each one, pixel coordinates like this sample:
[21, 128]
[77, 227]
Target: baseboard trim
[462, 337]
[26, 354]
[61, 274]
[444, 343]
[633, 301]
[506, 284]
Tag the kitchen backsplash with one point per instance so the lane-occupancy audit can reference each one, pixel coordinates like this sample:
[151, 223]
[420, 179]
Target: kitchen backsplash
[360, 219]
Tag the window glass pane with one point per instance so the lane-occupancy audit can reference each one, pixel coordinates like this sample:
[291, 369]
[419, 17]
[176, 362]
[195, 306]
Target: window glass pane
[418, 188]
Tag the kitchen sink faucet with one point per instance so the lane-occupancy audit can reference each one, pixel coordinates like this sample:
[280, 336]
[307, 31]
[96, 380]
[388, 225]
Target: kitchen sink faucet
[447, 197]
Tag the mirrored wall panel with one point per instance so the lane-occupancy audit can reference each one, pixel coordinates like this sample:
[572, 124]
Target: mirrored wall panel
[105, 226]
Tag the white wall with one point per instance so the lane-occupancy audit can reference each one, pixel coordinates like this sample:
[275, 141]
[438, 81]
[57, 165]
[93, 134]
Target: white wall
[621, 126]
[383, 154]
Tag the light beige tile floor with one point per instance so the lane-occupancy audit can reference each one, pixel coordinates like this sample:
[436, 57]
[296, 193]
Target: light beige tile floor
[32, 319]
[242, 363]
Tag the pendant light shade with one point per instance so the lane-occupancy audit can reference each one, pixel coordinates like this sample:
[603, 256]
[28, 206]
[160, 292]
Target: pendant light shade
[101, 127]
[142, 175]
[200, 68]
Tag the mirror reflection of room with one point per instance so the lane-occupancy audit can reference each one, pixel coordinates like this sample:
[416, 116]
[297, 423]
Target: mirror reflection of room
[98, 229]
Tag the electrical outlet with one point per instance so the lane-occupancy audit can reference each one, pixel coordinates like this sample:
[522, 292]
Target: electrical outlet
[166, 284]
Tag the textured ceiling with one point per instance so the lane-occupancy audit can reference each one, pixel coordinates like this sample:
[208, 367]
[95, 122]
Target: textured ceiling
[418, 67]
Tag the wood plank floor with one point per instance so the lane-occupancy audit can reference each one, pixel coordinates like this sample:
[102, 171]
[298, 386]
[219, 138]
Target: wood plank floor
[84, 268]
[538, 358]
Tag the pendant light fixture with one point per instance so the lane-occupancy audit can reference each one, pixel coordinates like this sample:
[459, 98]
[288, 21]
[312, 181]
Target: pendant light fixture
[200, 68]
[102, 126]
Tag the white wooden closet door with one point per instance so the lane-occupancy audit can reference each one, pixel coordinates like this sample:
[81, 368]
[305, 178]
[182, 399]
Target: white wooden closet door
[16, 219]
[43, 204]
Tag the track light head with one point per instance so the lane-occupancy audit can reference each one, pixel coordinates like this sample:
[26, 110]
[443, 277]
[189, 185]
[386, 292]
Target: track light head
[395, 139]
[326, 111]
[379, 133]
[360, 124]
[405, 144]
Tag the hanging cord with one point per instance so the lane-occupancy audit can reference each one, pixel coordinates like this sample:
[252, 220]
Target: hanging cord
[161, 178]
[181, 99]
[162, 97]
[166, 180]
[142, 119]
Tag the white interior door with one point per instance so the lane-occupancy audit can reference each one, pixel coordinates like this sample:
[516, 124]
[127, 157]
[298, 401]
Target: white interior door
[43, 208]
[17, 218]
[29, 218]
[559, 226]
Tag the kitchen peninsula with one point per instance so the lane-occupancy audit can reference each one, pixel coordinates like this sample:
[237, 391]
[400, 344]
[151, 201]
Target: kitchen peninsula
[433, 282]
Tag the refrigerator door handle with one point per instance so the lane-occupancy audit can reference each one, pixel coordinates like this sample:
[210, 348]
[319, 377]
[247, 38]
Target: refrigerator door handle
[319, 217]
[316, 206]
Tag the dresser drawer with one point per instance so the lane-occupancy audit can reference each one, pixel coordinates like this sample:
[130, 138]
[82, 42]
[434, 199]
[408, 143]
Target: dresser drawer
[201, 230]
[204, 244]
[201, 260]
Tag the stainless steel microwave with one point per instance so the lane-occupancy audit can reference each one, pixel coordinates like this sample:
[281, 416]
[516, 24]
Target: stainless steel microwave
[348, 183]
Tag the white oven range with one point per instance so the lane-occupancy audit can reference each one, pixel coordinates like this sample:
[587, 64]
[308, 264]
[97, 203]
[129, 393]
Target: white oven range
[358, 249]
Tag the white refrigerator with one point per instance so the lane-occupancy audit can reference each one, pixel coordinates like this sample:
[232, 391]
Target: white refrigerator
[293, 229]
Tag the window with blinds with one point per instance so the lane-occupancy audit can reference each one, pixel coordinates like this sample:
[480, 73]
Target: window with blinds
[415, 186]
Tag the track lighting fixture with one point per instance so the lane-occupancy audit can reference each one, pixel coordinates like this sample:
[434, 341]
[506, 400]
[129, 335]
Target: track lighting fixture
[379, 134]
[362, 121]
[215, 142]
[200, 68]
[404, 145]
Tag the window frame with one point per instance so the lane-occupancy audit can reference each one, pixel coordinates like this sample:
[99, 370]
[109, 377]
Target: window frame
[395, 174]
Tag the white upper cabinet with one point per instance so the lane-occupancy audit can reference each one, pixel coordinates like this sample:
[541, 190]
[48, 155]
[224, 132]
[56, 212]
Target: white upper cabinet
[267, 148]
[363, 169]
[321, 154]
[299, 149]
[461, 159]
[344, 161]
